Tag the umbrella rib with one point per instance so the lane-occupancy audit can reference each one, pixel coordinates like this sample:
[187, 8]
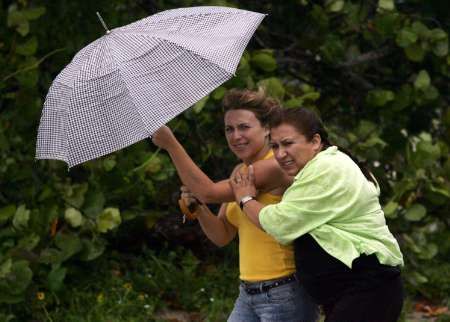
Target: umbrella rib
[187, 49]
[126, 86]
[184, 16]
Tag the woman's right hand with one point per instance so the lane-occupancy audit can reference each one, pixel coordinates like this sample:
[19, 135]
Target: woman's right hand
[189, 199]
[163, 137]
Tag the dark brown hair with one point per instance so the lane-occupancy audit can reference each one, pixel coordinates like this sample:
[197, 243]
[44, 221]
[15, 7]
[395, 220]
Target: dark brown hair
[254, 101]
[308, 123]
[305, 121]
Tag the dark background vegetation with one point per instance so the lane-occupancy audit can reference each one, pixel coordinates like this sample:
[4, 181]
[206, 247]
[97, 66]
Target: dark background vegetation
[377, 72]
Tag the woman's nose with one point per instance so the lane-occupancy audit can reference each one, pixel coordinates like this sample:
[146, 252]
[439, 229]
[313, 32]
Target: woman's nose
[280, 153]
[235, 134]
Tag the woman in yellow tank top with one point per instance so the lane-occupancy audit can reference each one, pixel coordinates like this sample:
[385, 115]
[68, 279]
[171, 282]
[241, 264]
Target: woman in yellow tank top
[269, 290]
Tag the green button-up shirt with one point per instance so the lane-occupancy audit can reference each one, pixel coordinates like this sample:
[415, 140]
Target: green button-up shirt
[333, 201]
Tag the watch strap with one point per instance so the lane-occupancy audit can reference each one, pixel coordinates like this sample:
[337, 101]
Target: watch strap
[244, 200]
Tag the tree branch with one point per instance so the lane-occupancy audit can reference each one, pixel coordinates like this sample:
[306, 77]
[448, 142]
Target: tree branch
[33, 66]
[366, 57]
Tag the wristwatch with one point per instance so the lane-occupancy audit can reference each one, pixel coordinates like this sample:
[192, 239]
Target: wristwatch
[244, 200]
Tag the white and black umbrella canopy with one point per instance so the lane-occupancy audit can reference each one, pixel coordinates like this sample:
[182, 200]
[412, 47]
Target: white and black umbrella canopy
[122, 87]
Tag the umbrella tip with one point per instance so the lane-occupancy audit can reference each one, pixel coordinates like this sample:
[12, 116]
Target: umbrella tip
[102, 22]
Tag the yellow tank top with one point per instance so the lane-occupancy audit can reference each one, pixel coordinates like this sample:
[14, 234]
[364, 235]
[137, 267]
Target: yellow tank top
[261, 257]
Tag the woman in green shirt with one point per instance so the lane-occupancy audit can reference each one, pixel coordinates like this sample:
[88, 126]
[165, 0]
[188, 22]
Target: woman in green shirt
[346, 257]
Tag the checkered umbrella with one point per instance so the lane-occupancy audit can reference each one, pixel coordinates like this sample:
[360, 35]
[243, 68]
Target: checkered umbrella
[125, 85]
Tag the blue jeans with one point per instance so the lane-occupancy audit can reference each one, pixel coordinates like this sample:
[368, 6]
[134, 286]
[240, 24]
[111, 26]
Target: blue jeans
[285, 303]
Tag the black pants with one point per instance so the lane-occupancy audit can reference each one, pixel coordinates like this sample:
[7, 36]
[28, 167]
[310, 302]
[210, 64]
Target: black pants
[383, 304]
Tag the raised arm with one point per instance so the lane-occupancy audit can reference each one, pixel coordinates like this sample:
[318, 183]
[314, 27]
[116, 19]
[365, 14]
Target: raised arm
[268, 175]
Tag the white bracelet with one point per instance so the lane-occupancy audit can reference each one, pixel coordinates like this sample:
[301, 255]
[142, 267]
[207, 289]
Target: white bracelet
[244, 200]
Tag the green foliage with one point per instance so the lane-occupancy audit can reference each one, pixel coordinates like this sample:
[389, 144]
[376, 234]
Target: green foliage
[376, 71]
[125, 287]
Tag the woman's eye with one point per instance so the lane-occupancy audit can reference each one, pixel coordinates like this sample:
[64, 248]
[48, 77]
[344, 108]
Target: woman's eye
[228, 129]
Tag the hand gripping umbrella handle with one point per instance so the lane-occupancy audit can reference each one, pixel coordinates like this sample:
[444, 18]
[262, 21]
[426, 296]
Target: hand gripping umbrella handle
[188, 210]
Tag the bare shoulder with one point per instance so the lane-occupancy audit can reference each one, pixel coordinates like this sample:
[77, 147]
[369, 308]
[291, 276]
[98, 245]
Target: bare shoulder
[269, 175]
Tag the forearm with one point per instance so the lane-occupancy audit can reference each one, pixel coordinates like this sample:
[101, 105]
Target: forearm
[214, 227]
[196, 180]
[252, 209]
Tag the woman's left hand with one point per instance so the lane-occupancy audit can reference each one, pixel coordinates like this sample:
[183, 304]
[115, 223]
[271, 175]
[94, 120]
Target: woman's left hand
[243, 183]
[164, 137]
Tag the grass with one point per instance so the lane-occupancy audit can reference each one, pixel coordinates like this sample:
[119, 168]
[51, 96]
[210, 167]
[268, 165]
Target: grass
[140, 287]
[167, 286]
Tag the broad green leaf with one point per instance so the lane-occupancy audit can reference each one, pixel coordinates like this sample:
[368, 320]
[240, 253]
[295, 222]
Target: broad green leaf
[92, 249]
[406, 37]
[94, 203]
[378, 98]
[425, 136]
[438, 34]
[29, 78]
[73, 217]
[55, 278]
[403, 98]
[19, 20]
[437, 195]
[23, 29]
[421, 30]
[5, 268]
[293, 103]
[312, 96]
[428, 251]
[440, 48]
[387, 24]
[415, 53]
[198, 107]
[69, 244]
[416, 212]
[18, 279]
[390, 209]
[75, 194]
[333, 49]
[431, 93]
[108, 220]
[418, 278]
[320, 17]
[430, 151]
[28, 48]
[386, 5]
[109, 164]
[6, 213]
[334, 5]
[422, 80]
[264, 61]
[366, 128]
[21, 217]
[34, 13]
[273, 86]
[51, 256]
[154, 165]
[218, 93]
[29, 242]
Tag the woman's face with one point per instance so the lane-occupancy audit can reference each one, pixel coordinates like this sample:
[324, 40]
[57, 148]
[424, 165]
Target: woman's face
[245, 135]
[292, 149]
